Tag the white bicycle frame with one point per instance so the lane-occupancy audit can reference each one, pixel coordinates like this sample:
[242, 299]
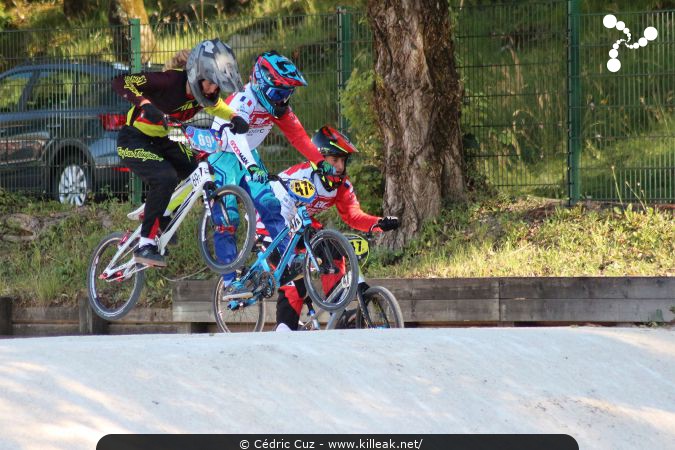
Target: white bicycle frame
[185, 196]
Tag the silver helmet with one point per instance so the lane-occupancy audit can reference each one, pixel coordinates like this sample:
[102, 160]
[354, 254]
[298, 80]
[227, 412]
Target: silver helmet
[214, 61]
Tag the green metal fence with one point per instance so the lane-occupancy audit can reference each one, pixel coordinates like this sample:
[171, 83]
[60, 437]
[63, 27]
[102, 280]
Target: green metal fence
[627, 136]
[512, 59]
[542, 114]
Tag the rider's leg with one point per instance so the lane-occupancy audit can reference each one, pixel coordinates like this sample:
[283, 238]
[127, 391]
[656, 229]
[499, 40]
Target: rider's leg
[289, 306]
[181, 158]
[226, 171]
[149, 160]
[268, 206]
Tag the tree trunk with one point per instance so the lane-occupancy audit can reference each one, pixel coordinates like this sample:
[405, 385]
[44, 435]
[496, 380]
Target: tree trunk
[119, 13]
[417, 100]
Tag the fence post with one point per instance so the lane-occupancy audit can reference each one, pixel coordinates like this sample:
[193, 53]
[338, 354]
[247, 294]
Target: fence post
[89, 322]
[5, 316]
[135, 66]
[573, 102]
[344, 52]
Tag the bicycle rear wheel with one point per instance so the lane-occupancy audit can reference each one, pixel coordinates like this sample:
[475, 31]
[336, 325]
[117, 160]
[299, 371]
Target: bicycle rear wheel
[113, 295]
[331, 277]
[382, 310]
[240, 315]
[227, 234]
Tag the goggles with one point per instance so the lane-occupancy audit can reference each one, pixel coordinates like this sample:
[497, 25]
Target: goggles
[278, 95]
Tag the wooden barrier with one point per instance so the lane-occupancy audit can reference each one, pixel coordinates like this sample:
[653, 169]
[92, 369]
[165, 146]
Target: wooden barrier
[494, 300]
[424, 302]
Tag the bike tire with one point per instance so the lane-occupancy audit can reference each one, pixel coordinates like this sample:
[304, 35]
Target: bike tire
[386, 311]
[331, 242]
[239, 320]
[106, 303]
[207, 229]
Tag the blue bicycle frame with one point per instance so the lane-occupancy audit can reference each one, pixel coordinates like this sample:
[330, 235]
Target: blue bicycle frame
[299, 226]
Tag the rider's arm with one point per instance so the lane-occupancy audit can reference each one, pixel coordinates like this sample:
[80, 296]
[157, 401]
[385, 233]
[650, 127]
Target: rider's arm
[221, 110]
[350, 209]
[241, 106]
[290, 125]
[135, 87]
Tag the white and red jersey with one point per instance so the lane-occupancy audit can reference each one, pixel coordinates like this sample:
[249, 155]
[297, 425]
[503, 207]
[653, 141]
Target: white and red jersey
[260, 123]
[343, 198]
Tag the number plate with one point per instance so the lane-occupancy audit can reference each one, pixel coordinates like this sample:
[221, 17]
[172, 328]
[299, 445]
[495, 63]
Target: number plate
[361, 247]
[200, 175]
[296, 223]
[303, 189]
[202, 139]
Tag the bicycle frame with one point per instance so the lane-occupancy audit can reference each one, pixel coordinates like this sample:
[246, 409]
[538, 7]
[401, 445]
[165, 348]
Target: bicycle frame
[314, 323]
[182, 200]
[300, 223]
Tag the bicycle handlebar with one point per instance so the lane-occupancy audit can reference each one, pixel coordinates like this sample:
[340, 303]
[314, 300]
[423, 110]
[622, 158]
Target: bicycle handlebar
[177, 123]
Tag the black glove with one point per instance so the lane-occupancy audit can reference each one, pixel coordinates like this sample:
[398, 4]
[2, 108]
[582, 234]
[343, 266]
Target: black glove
[154, 115]
[388, 223]
[258, 174]
[239, 125]
[322, 170]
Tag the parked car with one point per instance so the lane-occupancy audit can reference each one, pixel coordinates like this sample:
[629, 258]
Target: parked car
[58, 130]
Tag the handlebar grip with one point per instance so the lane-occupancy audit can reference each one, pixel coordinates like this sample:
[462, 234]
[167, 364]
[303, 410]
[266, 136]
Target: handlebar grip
[223, 126]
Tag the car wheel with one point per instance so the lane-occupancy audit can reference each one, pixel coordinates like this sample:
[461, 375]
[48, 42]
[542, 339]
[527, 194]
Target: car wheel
[72, 182]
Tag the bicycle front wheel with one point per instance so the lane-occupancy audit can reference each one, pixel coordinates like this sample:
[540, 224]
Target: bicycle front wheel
[382, 310]
[239, 315]
[331, 270]
[113, 294]
[227, 231]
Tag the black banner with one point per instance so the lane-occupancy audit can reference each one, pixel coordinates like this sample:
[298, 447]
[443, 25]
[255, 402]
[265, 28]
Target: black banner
[337, 442]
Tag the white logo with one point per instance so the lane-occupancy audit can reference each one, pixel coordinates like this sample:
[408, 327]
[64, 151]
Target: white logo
[610, 21]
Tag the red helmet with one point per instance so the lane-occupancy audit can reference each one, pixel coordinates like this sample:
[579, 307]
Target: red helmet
[331, 142]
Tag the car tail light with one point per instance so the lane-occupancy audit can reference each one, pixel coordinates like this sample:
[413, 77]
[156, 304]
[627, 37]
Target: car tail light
[112, 122]
[121, 169]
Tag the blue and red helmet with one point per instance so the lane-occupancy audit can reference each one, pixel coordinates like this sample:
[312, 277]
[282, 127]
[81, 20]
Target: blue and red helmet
[273, 80]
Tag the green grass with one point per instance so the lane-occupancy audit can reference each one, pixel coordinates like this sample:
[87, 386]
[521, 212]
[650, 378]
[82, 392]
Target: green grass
[501, 236]
[536, 237]
[51, 268]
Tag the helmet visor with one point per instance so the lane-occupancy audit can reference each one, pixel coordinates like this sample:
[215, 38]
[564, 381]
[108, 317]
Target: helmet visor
[278, 95]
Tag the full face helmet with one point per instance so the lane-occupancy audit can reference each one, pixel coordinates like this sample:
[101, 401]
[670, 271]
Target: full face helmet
[214, 61]
[331, 142]
[273, 80]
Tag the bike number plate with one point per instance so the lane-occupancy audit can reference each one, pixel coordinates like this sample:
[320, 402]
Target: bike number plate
[202, 139]
[361, 247]
[296, 224]
[302, 189]
[200, 175]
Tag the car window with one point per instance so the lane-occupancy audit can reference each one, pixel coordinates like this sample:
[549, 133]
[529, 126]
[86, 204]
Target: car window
[95, 91]
[11, 88]
[52, 90]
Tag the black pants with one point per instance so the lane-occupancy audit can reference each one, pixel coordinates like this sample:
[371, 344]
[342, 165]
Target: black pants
[161, 163]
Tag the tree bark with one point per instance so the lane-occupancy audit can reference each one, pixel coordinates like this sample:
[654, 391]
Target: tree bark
[417, 100]
[119, 13]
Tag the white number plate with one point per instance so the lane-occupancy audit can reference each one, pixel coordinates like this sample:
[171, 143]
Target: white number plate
[201, 175]
[296, 224]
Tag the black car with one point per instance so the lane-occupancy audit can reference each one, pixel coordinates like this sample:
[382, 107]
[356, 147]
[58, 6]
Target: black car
[58, 130]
